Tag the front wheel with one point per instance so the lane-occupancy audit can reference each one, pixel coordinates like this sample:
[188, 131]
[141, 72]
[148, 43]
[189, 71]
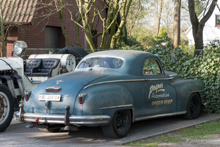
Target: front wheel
[119, 126]
[194, 107]
[6, 107]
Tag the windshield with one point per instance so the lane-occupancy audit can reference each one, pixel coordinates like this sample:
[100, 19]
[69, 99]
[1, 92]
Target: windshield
[102, 62]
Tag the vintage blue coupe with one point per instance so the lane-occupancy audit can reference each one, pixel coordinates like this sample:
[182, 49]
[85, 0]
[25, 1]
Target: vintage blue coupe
[111, 89]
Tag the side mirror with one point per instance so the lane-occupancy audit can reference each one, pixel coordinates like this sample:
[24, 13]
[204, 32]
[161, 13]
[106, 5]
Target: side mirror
[18, 48]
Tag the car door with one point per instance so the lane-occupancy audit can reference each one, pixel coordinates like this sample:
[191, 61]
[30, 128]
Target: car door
[160, 96]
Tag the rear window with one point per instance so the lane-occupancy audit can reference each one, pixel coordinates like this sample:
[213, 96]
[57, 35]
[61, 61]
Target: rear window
[102, 62]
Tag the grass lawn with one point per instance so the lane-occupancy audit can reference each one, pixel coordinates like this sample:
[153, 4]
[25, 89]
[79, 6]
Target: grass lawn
[198, 132]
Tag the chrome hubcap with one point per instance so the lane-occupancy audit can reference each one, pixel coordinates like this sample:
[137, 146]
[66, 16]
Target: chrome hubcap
[4, 107]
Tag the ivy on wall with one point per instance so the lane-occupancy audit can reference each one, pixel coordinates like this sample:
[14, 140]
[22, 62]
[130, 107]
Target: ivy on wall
[205, 67]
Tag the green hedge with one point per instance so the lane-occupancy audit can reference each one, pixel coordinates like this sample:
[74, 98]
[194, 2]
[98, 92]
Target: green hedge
[205, 67]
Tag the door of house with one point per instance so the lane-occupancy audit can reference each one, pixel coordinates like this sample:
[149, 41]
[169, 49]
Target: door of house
[52, 37]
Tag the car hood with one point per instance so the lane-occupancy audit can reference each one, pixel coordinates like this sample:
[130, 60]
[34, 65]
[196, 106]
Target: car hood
[71, 84]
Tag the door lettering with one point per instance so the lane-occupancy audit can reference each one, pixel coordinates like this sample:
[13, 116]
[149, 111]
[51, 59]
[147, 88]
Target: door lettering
[154, 89]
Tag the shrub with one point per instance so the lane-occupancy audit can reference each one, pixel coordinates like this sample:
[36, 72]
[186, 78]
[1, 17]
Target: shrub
[146, 40]
[214, 43]
[162, 37]
[205, 67]
[187, 49]
[131, 44]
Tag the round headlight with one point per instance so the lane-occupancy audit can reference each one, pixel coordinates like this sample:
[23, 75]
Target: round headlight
[18, 47]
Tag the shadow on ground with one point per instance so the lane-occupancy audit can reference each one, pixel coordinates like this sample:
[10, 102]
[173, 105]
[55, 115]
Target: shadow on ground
[87, 136]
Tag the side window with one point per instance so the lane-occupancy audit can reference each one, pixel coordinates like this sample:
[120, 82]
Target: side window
[151, 67]
[86, 63]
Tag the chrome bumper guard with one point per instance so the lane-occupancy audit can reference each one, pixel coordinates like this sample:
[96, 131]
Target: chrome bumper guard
[61, 119]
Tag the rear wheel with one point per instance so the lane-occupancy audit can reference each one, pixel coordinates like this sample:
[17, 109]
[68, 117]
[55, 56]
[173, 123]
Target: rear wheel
[194, 107]
[119, 126]
[76, 51]
[6, 107]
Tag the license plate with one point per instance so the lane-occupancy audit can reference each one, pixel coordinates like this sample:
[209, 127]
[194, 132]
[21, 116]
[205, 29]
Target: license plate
[49, 97]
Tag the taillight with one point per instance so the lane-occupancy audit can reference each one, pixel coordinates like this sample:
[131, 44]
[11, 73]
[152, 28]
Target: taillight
[27, 95]
[82, 98]
[37, 120]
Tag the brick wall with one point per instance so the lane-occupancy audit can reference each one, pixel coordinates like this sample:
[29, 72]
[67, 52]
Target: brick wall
[34, 34]
[11, 38]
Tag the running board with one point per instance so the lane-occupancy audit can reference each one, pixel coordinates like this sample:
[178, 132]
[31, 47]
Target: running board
[160, 115]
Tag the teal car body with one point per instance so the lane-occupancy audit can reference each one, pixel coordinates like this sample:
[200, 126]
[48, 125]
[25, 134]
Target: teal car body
[112, 89]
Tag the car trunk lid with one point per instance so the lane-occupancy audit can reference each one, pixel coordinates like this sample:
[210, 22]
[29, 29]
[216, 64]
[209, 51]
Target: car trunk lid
[53, 95]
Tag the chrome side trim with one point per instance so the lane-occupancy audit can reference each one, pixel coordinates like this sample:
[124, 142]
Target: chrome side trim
[59, 118]
[160, 79]
[160, 115]
[131, 80]
[199, 90]
[119, 106]
[114, 81]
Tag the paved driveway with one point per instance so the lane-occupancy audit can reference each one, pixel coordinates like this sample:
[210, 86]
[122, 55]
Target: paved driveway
[19, 135]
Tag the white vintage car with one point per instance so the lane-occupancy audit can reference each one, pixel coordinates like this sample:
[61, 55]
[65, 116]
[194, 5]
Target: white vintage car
[18, 75]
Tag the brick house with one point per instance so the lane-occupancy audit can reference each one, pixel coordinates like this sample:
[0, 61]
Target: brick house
[39, 31]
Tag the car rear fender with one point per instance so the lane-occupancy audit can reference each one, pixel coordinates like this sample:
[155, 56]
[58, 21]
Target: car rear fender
[104, 99]
[184, 89]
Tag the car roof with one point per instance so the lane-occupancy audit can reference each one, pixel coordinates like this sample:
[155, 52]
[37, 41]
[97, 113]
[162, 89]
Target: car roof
[133, 59]
[120, 53]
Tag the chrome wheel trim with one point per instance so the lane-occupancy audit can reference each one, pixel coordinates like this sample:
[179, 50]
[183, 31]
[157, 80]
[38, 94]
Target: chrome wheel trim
[6, 107]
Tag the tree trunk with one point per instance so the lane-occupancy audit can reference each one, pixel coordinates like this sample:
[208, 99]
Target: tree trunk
[197, 26]
[2, 29]
[104, 35]
[84, 12]
[176, 24]
[159, 17]
[109, 32]
[198, 40]
[111, 14]
[63, 28]
[78, 20]
[3, 37]
[124, 14]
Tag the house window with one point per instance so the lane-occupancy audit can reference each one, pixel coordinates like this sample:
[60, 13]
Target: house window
[217, 21]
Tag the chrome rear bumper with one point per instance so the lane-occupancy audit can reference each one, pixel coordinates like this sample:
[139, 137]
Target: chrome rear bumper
[60, 119]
